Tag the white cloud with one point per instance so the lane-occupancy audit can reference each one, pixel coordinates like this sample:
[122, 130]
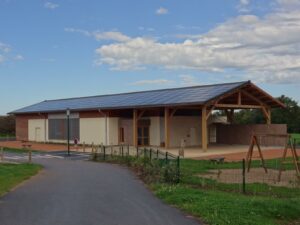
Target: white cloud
[1, 59]
[50, 5]
[188, 80]
[98, 35]
[153, 82]
[261, 48]
[162, 11]
[243, 6]
[18, 57]
[4, 48]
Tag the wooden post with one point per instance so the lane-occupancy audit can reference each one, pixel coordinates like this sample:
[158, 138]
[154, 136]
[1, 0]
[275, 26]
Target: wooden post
[83, 146]
[204, 129]
[269, 117]
[29, 155]
[167, 128]
[135, 127]
[2, 154]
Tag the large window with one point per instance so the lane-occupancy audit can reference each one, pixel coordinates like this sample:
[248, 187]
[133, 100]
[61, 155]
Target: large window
[58, 129]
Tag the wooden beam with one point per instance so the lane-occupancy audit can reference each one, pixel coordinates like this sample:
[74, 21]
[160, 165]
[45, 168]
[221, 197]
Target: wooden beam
[235, 106]
[135, 127]
[210, 111]
[167, 128]
[140, 114]
[173, 112]
[253, 98]
[239, 98]
[204, 129]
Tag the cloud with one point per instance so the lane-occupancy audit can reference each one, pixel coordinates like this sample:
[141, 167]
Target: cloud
[50, 5]
[18, 57]
[243, 6]
[162, 11]
[261, 48]
[6, 54]
[188, 80]
[153, 82]
[98, 35]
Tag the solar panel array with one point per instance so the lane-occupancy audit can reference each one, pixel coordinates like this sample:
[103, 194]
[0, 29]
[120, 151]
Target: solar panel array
[165, 97]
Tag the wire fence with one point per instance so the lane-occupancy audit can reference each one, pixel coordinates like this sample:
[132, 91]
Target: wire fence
[257, 180]
[152, 163]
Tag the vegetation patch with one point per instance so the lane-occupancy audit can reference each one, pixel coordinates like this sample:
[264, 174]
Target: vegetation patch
[13, 174]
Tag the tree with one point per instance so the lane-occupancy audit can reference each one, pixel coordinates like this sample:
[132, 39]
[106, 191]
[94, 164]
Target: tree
[7, 125]
[289, 115]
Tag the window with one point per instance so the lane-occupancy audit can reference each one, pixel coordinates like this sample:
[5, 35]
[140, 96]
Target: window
[58, 129]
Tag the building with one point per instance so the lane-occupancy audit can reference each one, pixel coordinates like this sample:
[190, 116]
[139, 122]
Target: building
[163, 118]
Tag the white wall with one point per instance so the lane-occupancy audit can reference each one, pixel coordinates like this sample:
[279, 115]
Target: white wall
[37, 130]
[92, 130]
[155, 131]
[185, 127]
[113, 130]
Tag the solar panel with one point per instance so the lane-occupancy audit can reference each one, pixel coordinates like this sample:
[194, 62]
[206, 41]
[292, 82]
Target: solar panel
[175, 96]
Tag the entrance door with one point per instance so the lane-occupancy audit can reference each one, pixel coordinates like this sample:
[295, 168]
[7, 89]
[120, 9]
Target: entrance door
[143, 135]
[37, 134]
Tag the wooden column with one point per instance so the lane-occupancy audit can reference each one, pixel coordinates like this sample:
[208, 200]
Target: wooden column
[268, 117]
[204, 129]
[135, 127]
[167, 128]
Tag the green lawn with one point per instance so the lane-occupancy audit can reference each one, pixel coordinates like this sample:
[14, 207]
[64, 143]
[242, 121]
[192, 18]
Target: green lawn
[13, 174]
[219, 203]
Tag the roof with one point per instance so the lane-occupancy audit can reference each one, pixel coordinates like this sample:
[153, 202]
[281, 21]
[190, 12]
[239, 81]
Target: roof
[155, 98]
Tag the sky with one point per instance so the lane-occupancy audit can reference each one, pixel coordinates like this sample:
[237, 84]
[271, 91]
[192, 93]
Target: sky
[72, 48]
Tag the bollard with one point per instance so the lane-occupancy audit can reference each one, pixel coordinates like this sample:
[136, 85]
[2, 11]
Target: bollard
[244, 176]
[29, 155]
[2, 154]
[83, 146]
[104, 153]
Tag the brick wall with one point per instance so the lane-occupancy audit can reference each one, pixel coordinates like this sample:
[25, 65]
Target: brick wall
[241, 134]
[22, 125]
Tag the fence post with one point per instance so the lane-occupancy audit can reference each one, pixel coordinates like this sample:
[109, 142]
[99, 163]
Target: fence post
[144, 152]
[92, 147]
[244, 176]
[29, 155]
[157, 153]
[83, 146]
[166, 157]
[137, 151]
[104, 153]
[2, 154]
[150, 154]
[128, 150]
[178, 169]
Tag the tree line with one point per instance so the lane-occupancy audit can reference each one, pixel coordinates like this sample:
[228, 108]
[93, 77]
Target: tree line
[7, 125]
[289, 115]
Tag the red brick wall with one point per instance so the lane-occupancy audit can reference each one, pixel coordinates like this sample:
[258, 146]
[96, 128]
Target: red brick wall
[241, 134]
[22, 125]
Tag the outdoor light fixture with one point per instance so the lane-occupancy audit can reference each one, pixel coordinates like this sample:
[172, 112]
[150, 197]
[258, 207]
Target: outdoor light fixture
[68, 129]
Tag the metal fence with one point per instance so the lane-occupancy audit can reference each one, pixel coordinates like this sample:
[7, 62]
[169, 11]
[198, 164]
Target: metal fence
[258, 180]
[160, 163]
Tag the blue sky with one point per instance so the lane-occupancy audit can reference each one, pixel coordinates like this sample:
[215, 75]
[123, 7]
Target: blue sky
[57, 49]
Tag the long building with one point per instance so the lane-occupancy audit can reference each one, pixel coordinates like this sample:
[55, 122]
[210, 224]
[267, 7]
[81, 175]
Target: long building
[164, 118]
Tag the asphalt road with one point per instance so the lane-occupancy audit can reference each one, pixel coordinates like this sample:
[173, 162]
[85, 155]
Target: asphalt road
[71, 192]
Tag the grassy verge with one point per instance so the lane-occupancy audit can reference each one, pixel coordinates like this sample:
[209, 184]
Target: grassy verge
[17, 150]
[13, 174]
[217, 207]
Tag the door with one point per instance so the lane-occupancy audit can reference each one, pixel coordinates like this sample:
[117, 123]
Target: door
[143, 135]
[37, 134]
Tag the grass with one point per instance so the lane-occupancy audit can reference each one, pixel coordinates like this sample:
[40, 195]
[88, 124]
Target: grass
[17, 150]
[220, 208]
[220, 203]
[13, 174]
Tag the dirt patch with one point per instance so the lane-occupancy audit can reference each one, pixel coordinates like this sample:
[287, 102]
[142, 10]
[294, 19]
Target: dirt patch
[256, 175]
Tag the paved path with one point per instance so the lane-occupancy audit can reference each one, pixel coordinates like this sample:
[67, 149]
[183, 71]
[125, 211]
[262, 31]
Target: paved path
[76, 192]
